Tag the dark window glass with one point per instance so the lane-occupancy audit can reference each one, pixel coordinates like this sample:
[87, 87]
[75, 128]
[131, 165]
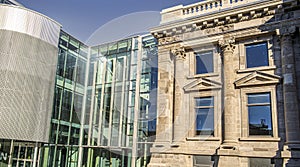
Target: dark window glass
[80, 77]
[66, 105]
[259, 113]
[204, 63]
[70, 67]
[257, 55]
[61, 63]
[204, 116]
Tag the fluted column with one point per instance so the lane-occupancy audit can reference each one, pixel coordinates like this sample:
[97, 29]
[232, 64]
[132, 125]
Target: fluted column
[291, 109]
[229, 115]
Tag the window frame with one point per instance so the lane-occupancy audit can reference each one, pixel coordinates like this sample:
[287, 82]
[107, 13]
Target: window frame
[243, 58]
[257, 43]
[196, 107]
[260, 104]
[245, 115]
[213, 61]
[217, 116]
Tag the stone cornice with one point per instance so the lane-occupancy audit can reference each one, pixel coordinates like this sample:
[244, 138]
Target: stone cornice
[219, 18]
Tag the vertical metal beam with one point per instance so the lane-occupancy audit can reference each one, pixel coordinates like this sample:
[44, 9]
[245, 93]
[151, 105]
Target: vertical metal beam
[122, 101]
[81, 136]
[136, 105]
[100, 129]
[112, 96]
[36, 149]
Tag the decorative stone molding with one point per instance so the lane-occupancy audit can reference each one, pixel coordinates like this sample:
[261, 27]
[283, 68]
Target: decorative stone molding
[178, 52]
[227, 44]
[168, 40]
[257, 78]
[202, 84]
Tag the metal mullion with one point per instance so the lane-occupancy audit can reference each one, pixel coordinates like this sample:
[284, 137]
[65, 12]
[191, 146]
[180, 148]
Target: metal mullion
[72, 102]
[136, 107]
[101, 103]
[111, 102]
[92, 110]
[81, 133]
[122, 101]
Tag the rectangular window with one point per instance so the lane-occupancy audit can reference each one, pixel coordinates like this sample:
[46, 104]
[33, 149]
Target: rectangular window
[257, 55]
[204, 62]
[204, 115]
[259, 114]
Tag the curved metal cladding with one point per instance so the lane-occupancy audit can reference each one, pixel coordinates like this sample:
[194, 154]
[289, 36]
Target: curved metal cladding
[28, 59]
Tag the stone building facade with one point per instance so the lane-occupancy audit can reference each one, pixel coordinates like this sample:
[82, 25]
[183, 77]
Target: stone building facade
[228, 84]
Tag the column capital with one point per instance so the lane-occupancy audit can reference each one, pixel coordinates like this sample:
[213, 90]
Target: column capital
[179, 53]
[227, 44]
[286, 31]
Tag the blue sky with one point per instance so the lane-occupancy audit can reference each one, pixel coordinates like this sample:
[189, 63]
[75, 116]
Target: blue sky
[82, 18]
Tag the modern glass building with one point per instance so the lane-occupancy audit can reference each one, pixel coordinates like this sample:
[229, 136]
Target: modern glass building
[104, 110]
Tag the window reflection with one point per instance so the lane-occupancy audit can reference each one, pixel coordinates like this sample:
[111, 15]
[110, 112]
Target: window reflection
[259, 113]
[204, 62]
[257, 55]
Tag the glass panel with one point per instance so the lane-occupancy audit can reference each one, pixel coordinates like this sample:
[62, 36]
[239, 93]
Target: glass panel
[70, 67]
[123, 46]
[257, 55]
[258, 98]
[260, 120]
[66, 105]
[80, 73]
[77, 108]
[61, 63]
[204, 63]
[204, 101]
[57, 97]
[113, 48]
[205, 121]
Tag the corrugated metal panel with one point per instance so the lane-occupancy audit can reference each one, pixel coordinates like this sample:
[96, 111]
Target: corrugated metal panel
[27, 70]
[23, 20]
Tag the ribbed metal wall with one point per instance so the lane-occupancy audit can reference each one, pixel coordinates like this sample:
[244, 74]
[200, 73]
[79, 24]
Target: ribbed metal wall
[23, 20]
[28, 59]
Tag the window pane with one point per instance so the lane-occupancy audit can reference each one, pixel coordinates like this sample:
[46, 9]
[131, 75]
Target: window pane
[258, 98]
[204, 101]
[204, 63]
[205, 121]
[257, 55]
[260, 120]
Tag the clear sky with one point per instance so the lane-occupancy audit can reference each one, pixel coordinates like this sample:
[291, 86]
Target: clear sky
[81, 18]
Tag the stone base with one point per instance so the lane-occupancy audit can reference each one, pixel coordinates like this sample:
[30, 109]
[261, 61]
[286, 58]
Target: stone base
[291, 155]
[170, 160]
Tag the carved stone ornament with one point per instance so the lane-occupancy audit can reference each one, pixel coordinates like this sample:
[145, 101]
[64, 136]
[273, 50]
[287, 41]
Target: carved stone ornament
[178, 52]
[227, 44]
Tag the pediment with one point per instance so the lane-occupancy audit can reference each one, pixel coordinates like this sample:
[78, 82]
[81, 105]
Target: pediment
[257, 78]
[202, 84]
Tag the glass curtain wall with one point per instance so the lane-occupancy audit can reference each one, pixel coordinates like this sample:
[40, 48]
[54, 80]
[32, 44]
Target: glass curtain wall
[68, 103]
[112, 90]
[111, 121]
[147, 100]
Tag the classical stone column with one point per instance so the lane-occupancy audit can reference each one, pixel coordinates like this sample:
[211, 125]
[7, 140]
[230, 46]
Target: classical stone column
[291, 109]
[229, 115]
[178, 130]
[290, 153]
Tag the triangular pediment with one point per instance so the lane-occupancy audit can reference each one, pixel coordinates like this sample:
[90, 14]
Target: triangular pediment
[202, 84]
[257, 78]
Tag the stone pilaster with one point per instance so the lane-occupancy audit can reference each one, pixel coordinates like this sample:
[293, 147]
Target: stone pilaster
[179, 130]
[291, 153]
[229, 113]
